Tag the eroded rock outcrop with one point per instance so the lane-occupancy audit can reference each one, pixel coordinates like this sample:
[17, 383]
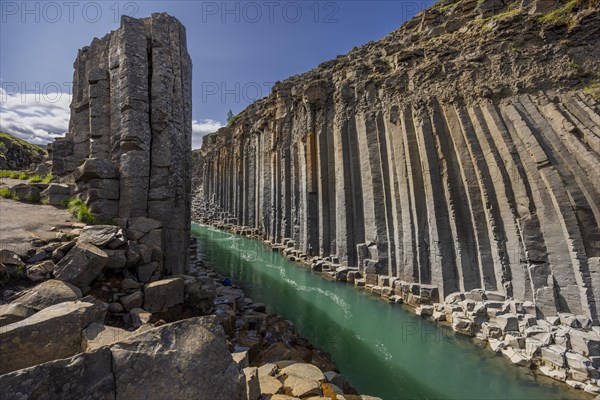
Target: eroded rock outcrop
[128, 147]
[460, 152]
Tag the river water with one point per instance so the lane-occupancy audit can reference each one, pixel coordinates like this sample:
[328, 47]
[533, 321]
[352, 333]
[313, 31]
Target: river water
[382, 349]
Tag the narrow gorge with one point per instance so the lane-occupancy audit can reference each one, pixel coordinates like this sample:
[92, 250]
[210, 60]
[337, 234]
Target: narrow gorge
[460, 152]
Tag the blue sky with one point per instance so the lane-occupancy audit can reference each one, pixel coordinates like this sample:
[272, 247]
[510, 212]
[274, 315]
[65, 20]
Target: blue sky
[238, 48]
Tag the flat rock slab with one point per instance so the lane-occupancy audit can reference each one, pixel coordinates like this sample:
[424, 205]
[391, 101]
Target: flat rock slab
[82, 264]
[98, 335]
[50, 334]
[303, 371]
[49, 293]
[22, 222]
[161, 295]
[163, 363]
[99, 235]
[84, 376]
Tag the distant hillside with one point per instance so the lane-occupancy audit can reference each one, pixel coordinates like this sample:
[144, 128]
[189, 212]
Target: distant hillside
[18, 154]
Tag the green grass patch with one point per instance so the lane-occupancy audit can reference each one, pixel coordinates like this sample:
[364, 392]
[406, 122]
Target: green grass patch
[41, 178]
[5, 192]
[593, 89]
[511, 12]
[81, 211]
[562, 15]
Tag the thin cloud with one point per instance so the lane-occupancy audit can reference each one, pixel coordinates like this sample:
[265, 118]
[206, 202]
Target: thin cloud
[201, 128]
[33, 117]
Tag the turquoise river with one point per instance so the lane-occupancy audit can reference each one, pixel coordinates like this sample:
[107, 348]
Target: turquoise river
[383, 350]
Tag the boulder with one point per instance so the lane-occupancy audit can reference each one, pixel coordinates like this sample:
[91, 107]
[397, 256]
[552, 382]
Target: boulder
[133, 300]
[56, 194]
[163, 294]
[138, 317]
[585, 343]
[98, 335]
[515, 357]
[252, 383]
[40, 272]
[14, 312]
[303, 371]
[117, 259]
[82, 264]
[99, 235]
[48, 293]
[269, 385]
[554, 354]
[462, 325]
[164, 363]
[97, 168]
[50, 334]
[507, 322]
[84, 376]
[241, 359]
[8, 257]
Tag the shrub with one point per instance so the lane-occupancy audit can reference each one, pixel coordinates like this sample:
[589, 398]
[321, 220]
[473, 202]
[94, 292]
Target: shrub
[81, 211]
[5, 192]
[42, 179]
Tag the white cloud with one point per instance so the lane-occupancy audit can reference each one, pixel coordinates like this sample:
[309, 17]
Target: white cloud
[201, 128]
[40, 119]
[34, 117]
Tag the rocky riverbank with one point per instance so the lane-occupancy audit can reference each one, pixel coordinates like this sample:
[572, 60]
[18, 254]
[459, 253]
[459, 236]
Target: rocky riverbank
[71, 297]
[565, 347]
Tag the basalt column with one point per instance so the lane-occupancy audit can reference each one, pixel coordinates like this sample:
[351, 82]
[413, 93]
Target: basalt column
[129, 140]
[460, 153]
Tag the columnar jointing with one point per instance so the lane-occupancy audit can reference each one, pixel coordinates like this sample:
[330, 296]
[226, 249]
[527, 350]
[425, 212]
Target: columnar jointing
[129, 139]
[497, 195]
[460, 152]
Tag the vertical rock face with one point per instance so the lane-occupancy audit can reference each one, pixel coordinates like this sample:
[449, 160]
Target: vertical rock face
[129, 138]
[461, 151]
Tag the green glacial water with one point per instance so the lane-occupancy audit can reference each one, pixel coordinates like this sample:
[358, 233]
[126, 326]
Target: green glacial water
[383, 350]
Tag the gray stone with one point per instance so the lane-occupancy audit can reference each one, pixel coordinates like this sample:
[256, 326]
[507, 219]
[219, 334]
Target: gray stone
[174, 372]
[99, 235]
[117, 259]
[252, 383]
[98, 168]
[585, 343]
[58, 327]
[40, 272]
[84, 376]
[97, 335]
[133, 300]
[82, 264]
[14, 312]
[48, 293]
[163, 294]
[8, 257]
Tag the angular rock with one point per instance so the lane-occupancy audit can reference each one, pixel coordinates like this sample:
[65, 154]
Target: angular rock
[161, 295]
[48, 293]
[58, 327]
[14, 312]
[84, 376]
[97, 335]
[99, 235]
[164, 363]
[252, 383]
[82, 264]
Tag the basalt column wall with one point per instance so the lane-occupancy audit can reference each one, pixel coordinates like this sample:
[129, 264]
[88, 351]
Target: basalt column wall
[128, 147]
[450, 153]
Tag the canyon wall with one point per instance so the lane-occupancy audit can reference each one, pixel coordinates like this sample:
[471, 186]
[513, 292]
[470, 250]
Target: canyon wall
[461, 151]
[128, 147]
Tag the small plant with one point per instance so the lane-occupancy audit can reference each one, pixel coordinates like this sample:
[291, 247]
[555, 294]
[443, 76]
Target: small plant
[20, 271]
[41, 179]
[81, 211]
[593, 89]
[511, 12]
[562, 15]
[23, 176]
[5, 192]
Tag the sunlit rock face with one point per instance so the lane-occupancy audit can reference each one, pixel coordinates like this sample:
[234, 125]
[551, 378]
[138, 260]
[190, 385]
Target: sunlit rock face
[129, 139]
[461, 151]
